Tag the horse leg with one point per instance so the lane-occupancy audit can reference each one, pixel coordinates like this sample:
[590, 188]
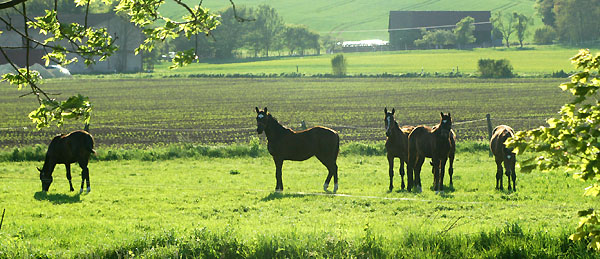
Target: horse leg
[68, 167]
[402, 162]
[390, 159]
[409, 172]
[332, 168]
[499, 175]
[278, 166]
[417, 174]
[85, 175]
[514, 179]
[442, 172]
[451, 168]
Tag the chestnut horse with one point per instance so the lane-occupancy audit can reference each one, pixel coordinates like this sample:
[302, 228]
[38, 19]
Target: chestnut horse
[286, 144]
[425, 142]
[503, 154]
[396, 144]
[66, 149]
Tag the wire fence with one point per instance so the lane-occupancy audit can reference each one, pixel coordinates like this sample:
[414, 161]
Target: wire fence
[111, 134]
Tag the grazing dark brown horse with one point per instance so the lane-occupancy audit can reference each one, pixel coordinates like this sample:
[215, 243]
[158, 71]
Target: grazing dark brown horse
[425, 142]
[396, 144]
[286, 144]
[503, 154]
[66, 149]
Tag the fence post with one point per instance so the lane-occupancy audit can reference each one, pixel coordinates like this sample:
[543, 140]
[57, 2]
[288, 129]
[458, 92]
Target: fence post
[489, 126]
[2, 220]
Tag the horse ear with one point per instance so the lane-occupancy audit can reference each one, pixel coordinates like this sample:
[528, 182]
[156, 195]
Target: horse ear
[393, 111]
[385, 110]
[441, 114]
[449, 115]
[265, 109]
[256, 108]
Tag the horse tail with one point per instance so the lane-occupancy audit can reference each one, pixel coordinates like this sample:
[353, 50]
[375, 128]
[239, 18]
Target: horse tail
[89, 145]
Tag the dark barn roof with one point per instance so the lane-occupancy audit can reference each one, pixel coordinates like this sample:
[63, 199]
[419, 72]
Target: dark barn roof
[419, 19]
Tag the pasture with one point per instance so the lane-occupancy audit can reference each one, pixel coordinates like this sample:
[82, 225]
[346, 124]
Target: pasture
[534, 61]
[212, 111]
[369, 19]
[226, 207]
[221, 203]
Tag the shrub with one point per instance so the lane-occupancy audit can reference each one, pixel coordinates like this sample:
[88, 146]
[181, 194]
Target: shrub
[491, 68]
[544, 35]
[338, 65]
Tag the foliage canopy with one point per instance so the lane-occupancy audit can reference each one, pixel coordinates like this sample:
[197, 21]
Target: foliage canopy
[572, 140]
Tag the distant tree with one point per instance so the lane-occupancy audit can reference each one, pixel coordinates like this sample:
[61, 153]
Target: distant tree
[264, 32]
[544, 35]
[229, 36]
[464, 31]
[521, 25]
[545, 9]
[404, 39]
[330, 43]
[338, 65]
[436, 38]
[300, 38]
[505, 25]
[577, 20]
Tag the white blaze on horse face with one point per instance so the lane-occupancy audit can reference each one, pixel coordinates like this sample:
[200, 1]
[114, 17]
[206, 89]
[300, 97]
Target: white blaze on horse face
[389, 123]
[444, 121]
[260, 116]
[508, 156]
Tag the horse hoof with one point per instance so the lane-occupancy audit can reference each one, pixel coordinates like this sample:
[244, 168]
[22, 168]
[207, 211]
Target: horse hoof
[81, 191]
[335, 188]
[437, 192]
[325, 186]
[278, 190]
[419, 189]
[89, 189]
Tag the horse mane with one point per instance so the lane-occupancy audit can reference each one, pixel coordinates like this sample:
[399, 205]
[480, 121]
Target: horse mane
[276, 126]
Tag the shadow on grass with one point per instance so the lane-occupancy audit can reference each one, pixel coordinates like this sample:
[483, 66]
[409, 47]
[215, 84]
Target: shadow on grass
[280, 195]
[57, 198]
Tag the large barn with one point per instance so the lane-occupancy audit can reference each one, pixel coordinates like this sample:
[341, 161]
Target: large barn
[405, 26]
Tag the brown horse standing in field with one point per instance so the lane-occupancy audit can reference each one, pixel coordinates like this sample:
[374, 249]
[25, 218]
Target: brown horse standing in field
[396, 144]
[66, 149]
[450, 157]
[425, 142]
[503, 154]
[286, 144]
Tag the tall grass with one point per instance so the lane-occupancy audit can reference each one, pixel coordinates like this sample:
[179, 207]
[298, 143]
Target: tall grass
[254, 148]
[507, 241]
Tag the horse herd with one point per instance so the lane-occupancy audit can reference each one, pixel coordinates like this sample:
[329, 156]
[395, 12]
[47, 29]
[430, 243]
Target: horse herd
[411, 144]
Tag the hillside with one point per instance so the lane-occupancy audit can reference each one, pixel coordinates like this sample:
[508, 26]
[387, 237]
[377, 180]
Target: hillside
[361, 19]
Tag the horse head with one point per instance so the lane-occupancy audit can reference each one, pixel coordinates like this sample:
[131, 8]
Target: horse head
[46, 178]
[510, 158]
[262, 118]
[445, 125]
[390, 122]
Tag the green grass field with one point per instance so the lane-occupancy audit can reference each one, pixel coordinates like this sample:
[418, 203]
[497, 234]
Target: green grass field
[362, 19]
[539, 60]
[225, 207]
[219, 111]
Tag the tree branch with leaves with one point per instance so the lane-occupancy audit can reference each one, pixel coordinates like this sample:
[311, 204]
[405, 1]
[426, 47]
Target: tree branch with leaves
[572, 141]
[93, 45]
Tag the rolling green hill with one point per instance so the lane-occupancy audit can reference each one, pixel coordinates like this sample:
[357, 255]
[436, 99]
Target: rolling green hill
[360, 19]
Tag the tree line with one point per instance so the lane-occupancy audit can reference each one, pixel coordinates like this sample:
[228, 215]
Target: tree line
[263, 34]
